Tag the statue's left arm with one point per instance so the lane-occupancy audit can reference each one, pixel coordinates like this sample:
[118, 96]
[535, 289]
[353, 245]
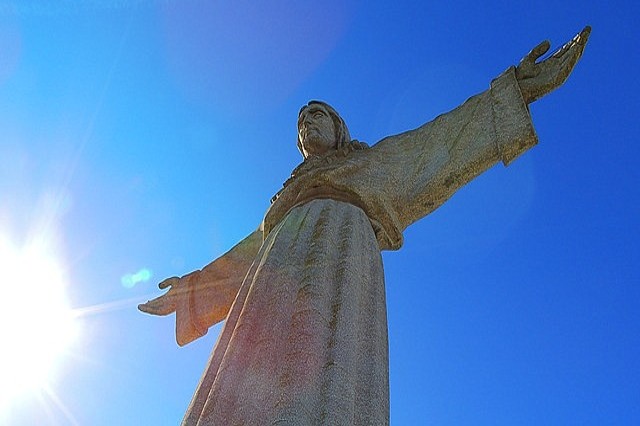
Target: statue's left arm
[422, 168]
[203, 297]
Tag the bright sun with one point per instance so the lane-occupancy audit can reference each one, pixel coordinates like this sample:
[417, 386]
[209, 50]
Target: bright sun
[36, 322]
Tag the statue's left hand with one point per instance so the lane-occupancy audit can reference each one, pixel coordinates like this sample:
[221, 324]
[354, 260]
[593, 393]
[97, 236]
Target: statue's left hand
[166, 303]
[536, 79]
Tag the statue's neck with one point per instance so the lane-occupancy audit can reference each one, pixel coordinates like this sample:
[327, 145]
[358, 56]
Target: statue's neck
[316, 161]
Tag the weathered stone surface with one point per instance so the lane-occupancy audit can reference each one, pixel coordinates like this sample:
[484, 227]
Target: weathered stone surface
[305, 338]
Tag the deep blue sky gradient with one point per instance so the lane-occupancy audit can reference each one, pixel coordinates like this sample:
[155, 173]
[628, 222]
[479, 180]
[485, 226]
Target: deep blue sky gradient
[153, 134]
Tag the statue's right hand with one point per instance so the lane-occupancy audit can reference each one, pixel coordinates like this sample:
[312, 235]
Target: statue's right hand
[165, 304]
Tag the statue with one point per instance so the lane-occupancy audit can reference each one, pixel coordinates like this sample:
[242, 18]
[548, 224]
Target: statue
[305, 338]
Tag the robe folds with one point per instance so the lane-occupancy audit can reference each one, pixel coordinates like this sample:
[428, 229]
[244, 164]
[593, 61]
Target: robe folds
[305, 338]
[309, 345]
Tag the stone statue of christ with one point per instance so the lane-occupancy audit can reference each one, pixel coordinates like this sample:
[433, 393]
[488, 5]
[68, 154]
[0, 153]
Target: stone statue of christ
[303, 298]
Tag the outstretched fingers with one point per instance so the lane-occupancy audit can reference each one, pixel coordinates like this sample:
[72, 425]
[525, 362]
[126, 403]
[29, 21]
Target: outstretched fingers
[528, 67]
[583, 36]
[536, 79]
[581, 39]
[571, 53]
[163, 305]
[576, 44]
[536, 53]
[169, 282]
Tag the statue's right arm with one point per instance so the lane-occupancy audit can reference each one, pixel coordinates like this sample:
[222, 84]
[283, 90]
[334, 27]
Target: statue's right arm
[203, 298]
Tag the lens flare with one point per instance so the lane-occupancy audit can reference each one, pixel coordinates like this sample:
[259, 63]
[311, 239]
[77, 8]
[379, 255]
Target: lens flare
[130, 280]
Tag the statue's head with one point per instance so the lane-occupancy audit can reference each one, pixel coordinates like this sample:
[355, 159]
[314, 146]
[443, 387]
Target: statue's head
[320, 129]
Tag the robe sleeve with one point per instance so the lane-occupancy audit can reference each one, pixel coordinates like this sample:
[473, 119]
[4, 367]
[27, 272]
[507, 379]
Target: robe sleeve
[203, 298]
[422, 168]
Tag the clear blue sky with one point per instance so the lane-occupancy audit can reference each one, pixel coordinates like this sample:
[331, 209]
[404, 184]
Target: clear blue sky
[147, 138]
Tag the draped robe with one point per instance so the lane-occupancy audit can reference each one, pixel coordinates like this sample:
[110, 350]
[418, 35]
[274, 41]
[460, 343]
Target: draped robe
[305, 337]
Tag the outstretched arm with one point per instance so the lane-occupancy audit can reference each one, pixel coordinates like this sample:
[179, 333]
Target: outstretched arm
[536, 79]
[202, 298]
[433, 161]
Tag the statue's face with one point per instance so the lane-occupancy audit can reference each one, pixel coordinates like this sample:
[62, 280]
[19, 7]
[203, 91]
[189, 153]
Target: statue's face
[316, 130]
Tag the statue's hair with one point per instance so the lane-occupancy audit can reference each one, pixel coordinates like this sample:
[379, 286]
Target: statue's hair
[342, 132]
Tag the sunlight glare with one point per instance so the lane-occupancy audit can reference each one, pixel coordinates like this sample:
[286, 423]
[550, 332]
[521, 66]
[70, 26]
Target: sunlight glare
[37, 323]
